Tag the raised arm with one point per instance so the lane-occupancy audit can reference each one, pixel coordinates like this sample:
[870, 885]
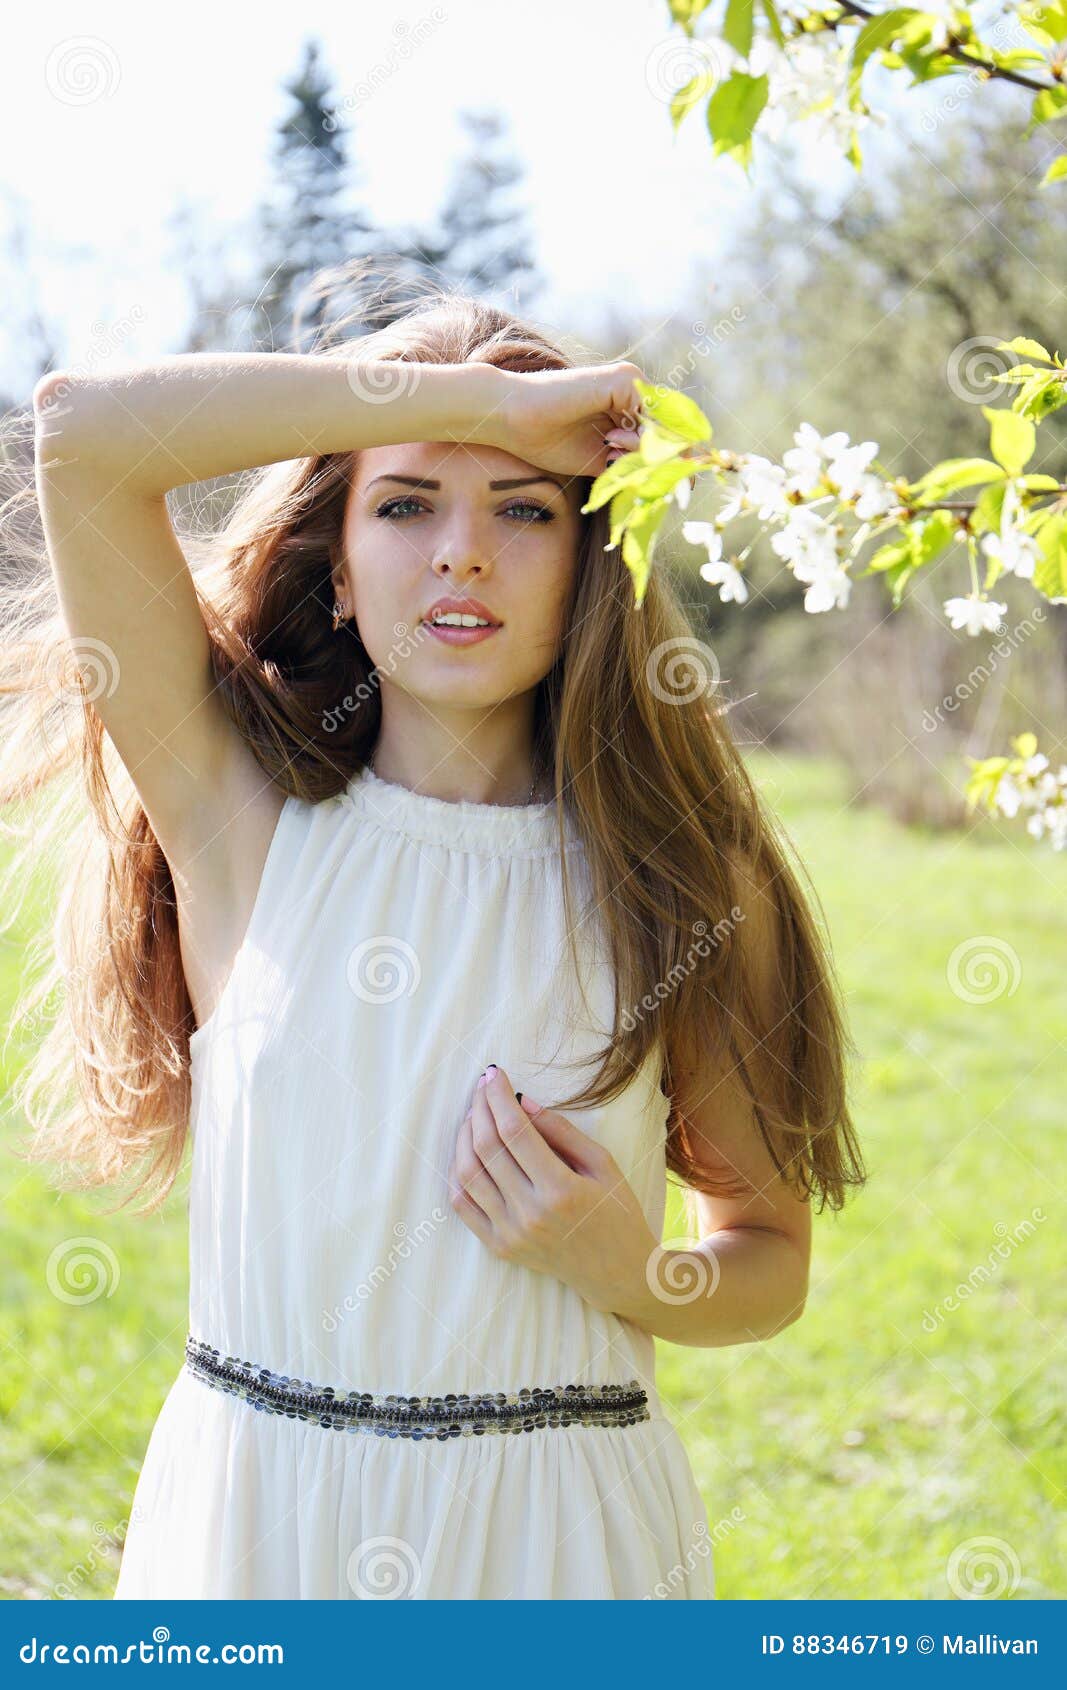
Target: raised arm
[108, 448]
[203, 414]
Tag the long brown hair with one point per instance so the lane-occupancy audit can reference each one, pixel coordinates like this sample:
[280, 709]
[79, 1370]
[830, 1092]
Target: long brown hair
[640, 756]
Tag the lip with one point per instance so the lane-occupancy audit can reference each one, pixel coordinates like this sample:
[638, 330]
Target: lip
[461, 607]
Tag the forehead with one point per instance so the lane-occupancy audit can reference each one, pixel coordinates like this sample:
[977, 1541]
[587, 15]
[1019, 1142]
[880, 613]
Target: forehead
[463, 467]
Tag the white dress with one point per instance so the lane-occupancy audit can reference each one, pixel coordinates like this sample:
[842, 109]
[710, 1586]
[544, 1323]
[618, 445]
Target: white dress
[398, 944]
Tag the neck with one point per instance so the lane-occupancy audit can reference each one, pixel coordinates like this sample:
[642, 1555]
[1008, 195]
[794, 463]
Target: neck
[462, 775]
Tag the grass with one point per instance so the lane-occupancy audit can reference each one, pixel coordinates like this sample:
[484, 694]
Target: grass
[886, 1445]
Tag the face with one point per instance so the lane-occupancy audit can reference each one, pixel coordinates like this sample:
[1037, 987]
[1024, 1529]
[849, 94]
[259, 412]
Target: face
[427, 521]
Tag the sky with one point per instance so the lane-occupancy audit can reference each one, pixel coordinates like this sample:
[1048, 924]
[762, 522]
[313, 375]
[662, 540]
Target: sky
[116, 113]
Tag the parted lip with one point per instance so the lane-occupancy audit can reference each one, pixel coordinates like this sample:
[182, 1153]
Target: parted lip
[462, 607]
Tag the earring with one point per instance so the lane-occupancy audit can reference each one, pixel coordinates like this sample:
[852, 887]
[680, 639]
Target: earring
[339, 614]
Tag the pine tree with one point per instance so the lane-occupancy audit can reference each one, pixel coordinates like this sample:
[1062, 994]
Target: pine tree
[309, 224]
[483, 244]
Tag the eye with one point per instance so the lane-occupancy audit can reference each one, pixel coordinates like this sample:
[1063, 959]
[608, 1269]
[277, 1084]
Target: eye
[393, 510]
[391, 506]
[541, 513]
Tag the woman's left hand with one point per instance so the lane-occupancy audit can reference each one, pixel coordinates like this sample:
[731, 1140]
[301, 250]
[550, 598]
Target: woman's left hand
[538, 1191]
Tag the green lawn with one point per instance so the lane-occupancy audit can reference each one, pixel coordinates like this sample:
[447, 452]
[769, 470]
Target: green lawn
[867, 1451]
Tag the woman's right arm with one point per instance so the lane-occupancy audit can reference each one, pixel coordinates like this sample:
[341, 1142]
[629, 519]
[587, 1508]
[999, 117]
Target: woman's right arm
[108, 449]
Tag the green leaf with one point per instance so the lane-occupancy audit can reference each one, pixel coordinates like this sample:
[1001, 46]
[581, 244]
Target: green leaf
[686, 12]
[1050, 571]
[951, 475]
[621, 506]
[1025, 348]
[929, 539]
[738, 25]
[983, 780]
[664, 478]
[1016, 57]
[1012, 438]
[1025, 745]
[1056, 170]
[770, 11]
[1047, 107]
[1040, 395]
[638, 541]
[888, 557]
[987, 511]
[877, 33]
[1046, 23]
[629, 470]
[685, 98]
[897, 579]
[674, 412]
[733, 112]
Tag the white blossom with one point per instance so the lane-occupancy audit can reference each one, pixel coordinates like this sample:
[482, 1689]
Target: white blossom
[847, 469]
[829, 590]
[807, 460]
[704, 534]
[976, 615]
[1016, 551]
[1007, 797]
[808, 542]
[760, 487]
[728, 579]
[876, 498]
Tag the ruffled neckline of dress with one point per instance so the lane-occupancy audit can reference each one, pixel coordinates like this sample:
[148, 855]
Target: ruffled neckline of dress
[492, 830]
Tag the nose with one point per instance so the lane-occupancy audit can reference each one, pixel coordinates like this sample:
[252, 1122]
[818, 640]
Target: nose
[462, 552]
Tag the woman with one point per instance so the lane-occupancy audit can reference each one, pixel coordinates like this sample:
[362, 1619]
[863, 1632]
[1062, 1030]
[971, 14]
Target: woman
[414, 827]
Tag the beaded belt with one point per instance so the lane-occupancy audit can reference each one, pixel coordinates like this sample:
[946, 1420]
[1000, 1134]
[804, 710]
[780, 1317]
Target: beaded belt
[452, 1416]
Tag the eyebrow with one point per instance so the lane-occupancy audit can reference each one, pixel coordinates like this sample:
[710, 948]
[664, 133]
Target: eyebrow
[494, 486]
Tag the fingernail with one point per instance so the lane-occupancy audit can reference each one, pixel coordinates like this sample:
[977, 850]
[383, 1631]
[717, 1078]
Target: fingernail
[518, 1097]
[481, 1082]
[491, 1070]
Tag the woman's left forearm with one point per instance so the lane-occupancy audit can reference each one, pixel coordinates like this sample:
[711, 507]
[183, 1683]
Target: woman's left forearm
[737, 1286]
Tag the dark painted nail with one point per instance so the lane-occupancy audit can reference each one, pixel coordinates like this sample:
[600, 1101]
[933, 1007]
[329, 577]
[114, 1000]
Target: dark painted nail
[518, 1097]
